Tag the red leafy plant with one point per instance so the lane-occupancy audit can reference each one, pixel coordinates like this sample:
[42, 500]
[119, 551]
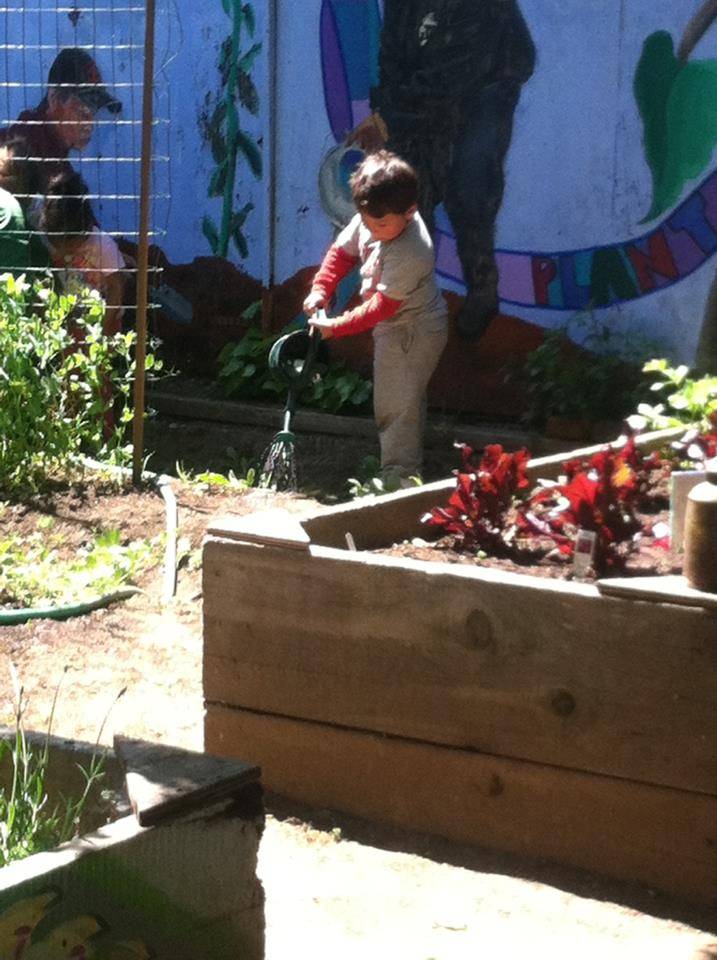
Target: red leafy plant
[600, 494]
[478, 511]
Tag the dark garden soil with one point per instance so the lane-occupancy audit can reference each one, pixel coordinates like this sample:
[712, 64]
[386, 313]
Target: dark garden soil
[539, 558]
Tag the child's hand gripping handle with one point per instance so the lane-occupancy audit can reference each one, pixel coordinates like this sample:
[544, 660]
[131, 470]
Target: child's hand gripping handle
[319, 321]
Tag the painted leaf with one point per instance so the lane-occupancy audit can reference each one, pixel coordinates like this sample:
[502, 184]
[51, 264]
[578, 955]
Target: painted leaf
[210, 232]
[251, 152]
[225, 60]
[219, 180]
[677, 104]
[240, 243]
[249, 18]
[247, 93]
[227, 4]
[238, 218]
[219, 147]
[218, 116]
[692, 128]
[247, 61]
[19, 920]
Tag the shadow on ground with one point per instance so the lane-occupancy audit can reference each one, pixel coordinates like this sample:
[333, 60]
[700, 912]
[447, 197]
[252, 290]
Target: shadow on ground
[578, 882]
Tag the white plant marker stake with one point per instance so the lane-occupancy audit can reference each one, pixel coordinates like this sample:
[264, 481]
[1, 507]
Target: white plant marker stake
[584, 552]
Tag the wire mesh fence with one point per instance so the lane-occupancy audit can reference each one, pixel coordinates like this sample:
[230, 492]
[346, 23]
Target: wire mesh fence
[71, 81]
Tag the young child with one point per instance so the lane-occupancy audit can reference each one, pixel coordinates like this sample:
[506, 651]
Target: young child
[401, 304]
[81, 253]
[21, 249]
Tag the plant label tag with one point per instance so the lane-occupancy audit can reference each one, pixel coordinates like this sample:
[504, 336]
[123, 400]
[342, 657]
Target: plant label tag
[584, 552]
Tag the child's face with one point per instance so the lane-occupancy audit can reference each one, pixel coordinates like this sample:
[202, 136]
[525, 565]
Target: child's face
[388, 227]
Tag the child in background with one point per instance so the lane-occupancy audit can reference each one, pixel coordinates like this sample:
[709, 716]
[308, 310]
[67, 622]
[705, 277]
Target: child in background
[80, 251]
[401, 304]
[21, 249]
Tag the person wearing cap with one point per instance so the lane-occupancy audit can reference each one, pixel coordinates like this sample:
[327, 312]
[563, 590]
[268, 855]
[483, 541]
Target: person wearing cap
[64, 119]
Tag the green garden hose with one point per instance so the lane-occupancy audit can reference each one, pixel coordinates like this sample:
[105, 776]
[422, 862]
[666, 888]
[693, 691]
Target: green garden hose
[11, 618]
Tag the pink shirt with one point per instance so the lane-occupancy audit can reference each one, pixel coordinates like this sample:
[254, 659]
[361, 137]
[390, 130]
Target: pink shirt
[91, 263]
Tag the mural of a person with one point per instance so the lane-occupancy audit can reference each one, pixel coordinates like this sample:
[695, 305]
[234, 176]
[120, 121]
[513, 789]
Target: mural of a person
[450, 74]
[64, 119]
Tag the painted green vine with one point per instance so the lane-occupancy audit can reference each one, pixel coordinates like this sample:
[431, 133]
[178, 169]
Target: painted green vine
[227, 138]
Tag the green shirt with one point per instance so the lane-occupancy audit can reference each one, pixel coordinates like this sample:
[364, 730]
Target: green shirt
[20, 248]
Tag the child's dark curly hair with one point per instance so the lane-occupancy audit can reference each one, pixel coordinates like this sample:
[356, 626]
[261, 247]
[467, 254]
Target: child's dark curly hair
[384, 183]
[67, 211]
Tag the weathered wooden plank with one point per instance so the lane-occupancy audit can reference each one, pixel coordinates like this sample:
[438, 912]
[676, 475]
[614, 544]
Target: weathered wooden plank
[514, 666]
[664, 838]
[166, 782]
[669, 589]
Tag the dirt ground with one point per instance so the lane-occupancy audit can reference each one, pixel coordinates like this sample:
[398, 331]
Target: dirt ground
[335, 886]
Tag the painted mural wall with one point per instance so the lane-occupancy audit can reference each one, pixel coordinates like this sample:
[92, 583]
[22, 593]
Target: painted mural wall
[210, 78]
[567, 149]
[608, 197]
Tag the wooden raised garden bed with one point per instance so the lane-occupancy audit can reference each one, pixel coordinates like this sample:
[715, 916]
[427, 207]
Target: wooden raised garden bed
[174, 880]
[542, 717]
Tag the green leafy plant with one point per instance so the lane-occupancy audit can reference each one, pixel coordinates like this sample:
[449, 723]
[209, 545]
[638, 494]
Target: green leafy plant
[59, 375]
[32, 572]
[226, 137]
[244, 367]
[28, 824]
[687, 401]
[596, 381]
[244, 373]
[370, 483]
[245, 479]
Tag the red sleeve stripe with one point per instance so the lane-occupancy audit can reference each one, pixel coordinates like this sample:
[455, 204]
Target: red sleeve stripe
[335, 266]
[379, 307]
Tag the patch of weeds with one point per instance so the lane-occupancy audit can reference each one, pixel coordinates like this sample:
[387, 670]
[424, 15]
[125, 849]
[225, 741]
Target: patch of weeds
[32, 572]
[187, 557]
[246, 478]
[369, 483]
[28, 824]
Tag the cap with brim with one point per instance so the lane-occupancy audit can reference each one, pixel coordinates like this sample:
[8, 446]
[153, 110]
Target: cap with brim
[76, 72]
[97, 98]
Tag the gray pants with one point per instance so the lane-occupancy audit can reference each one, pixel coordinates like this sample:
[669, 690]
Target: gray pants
[403, 361]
